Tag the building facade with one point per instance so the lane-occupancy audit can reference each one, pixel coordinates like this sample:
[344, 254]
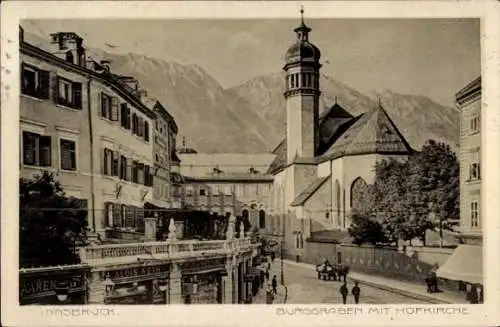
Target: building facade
[468, 102]
[235, 184]
[90, 128]
[165, 133]
[326, 161]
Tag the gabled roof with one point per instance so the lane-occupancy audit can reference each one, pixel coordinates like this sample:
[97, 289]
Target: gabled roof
[303, 196]
[373, 132]
[341, 134]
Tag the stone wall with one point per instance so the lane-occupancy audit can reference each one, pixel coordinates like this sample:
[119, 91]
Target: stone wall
[389, 262]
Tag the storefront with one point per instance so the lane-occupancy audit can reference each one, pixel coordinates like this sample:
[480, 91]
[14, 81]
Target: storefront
[53, 286]
[465, 266]
[202, 281]
[147, 284]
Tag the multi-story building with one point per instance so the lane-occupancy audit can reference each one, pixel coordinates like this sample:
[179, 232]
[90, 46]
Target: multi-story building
[465, 266]
[228, 183]
[90, 127]
[165, 132]
[468, 101]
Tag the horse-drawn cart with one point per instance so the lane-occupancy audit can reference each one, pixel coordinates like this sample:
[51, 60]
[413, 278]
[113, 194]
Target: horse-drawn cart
[327, 271]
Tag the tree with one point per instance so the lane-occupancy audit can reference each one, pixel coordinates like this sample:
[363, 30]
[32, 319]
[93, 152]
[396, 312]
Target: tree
[52, 225]
[433, 185]
[364, 229]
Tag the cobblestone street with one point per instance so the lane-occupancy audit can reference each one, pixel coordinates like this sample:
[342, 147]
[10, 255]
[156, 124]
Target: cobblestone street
[304, 288]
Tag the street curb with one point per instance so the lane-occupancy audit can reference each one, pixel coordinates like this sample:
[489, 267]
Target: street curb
[414, 295]
[384, 287]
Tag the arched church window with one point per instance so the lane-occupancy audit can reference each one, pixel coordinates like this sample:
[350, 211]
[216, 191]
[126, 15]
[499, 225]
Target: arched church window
[358, 191]
[262, 219]
[293, 80]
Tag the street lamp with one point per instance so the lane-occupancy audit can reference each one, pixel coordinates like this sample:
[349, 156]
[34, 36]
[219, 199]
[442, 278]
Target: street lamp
[62, 290]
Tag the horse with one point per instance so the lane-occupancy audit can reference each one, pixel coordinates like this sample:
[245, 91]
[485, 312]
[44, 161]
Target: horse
[342, 271]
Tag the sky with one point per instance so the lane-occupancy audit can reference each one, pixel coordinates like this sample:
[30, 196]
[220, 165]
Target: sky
[430, 57]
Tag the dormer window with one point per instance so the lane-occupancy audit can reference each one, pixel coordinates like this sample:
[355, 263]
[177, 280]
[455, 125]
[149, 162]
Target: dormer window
[69, 57]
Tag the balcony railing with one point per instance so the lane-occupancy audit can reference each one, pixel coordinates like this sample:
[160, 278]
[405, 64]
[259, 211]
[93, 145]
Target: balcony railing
[131, 252]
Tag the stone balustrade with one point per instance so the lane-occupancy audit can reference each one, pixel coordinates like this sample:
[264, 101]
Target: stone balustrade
[131, 252]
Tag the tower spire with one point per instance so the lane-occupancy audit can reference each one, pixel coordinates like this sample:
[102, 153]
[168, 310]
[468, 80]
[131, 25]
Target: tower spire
[303, 30]
[302, 15]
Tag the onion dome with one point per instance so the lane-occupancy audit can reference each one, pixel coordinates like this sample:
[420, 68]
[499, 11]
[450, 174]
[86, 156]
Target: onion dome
[302, 49]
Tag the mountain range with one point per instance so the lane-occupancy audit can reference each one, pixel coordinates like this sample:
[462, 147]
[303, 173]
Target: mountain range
[250, 118]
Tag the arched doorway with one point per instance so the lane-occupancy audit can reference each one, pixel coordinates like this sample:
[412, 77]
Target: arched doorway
[262, 219]
[358, 190]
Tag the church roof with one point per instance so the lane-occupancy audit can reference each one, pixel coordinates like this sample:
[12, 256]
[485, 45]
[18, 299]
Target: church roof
[373, 132]
[341, 134]
[303, 196]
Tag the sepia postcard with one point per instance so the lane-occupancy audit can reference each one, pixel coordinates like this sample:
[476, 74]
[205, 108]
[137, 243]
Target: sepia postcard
[250, 163]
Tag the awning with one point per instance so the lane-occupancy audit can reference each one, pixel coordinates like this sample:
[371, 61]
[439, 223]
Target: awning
[465, 264]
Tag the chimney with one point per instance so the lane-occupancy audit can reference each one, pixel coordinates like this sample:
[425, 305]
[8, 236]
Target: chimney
[69, 46]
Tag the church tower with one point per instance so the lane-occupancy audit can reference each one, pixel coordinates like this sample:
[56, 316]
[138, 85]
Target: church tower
[302, 95]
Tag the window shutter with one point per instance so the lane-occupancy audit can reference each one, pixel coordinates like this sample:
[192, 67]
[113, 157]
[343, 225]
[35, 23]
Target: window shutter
[55, 88]
[129, 170]
[129, 125]
[114, 109]
[115, 163]
[140, 130]
[104, 161]
[146, 175]
[117, 215]
[77, 95]
[146, 131]
[45, 148]
[44, 87]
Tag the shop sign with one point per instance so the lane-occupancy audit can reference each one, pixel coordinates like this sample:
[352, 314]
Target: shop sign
[138, 271]
[45, 285]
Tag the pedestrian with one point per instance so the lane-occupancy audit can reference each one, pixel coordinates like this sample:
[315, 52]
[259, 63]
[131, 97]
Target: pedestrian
[269, 295]
[267, 275]
[268, 266]
[273, 255]
[344, 291]
[356, 292]
[274, 283]
[262, 278]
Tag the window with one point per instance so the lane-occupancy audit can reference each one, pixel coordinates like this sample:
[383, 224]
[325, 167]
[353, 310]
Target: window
[123, 167]
[189, 190]
[105, 106]
[215, 189]
[115, 164]
[146, 131]
[140, 174]
[474, 123]
[37, 150]
[135, 171]
[474, 167]
[135, 123]
[474, 214]
[228, 189]
[117, 215]
[125, 116]
[262, 219]
[69, 93]
[68, 154]
[148, 176]
[240, 191]
[107, 162]
[140, 127]
[203, 192]
[35, 82]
